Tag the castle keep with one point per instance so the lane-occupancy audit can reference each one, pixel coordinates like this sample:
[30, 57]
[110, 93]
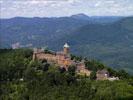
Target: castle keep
[62, 58]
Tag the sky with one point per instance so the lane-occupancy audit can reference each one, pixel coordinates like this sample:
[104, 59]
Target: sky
[57, 8]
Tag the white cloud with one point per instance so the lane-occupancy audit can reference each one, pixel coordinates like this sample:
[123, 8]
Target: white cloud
[72, 1]
[41, 8]
[111, 1]
[97, 4]
[1, 1]
[35, 2]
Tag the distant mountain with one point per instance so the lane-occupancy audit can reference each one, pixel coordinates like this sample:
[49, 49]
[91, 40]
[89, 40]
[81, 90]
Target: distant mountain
[80, 16]
[108, 39]
[111, 43]
[37, 31]
[97, 19]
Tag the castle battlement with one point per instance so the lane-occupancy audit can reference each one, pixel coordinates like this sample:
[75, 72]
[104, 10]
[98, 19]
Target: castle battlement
[62, 58]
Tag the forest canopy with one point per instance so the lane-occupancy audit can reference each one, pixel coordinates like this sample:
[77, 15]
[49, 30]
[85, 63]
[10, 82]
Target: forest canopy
[24, 79]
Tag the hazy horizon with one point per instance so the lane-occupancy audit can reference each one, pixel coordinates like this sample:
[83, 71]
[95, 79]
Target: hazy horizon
[60, 16]
[61, 8]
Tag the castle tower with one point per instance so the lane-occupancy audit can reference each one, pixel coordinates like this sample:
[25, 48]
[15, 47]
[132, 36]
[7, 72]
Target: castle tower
[66, 48]
[34, 54]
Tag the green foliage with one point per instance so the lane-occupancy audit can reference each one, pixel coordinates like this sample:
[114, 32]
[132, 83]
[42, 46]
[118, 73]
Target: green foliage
[123, 74]
[71, 70]
[13, 63]
[76, 58]
[111, 42]
[62, 70]
[93, 75]
[43, 81]
[94, 65]
[48, 51]
[112, 72]
[45, 66]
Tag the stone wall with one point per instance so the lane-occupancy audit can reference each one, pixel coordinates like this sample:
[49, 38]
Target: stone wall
[62, 60]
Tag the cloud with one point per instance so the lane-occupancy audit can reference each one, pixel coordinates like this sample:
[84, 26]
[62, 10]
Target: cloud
[35, 2]
[41, 8]
[97, 4]
[1, 2]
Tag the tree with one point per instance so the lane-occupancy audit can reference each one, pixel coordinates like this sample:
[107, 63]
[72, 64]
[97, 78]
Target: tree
[44, 61]
[100, 66]
[93, 75]
[71, 70]
[123, 74]
[45, 66]
[62, 69]
[30, 74]
[112, 72]
[76, 58]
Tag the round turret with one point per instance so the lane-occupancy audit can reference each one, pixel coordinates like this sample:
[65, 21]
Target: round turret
[66, 45]
[66, 48]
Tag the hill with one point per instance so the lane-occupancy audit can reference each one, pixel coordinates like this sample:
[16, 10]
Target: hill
[37, 31]
[97, 19]
[24, 79]
[111, 42]
[108, 39]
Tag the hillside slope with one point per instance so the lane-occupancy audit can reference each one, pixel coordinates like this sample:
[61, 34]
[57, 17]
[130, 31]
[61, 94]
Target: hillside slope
[21, 78]
[37, 31]
[109, 39]
[112, 43]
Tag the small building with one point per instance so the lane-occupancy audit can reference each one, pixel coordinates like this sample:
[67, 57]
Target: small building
[102, 74]
[113, 78]
[81, 69]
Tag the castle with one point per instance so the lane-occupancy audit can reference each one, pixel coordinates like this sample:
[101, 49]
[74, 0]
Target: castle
[62, 58]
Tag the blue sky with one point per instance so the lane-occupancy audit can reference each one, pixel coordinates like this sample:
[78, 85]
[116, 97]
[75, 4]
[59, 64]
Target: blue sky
[56, 8]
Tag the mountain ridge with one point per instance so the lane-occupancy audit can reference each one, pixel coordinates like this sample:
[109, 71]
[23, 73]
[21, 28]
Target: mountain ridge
[86, 37]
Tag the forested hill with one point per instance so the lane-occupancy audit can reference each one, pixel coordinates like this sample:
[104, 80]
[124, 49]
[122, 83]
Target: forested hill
[111, 43]
[32, 30]
[108, 39]
[24, 79]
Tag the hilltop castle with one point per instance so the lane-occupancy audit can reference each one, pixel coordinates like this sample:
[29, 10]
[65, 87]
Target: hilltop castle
[62, 58]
